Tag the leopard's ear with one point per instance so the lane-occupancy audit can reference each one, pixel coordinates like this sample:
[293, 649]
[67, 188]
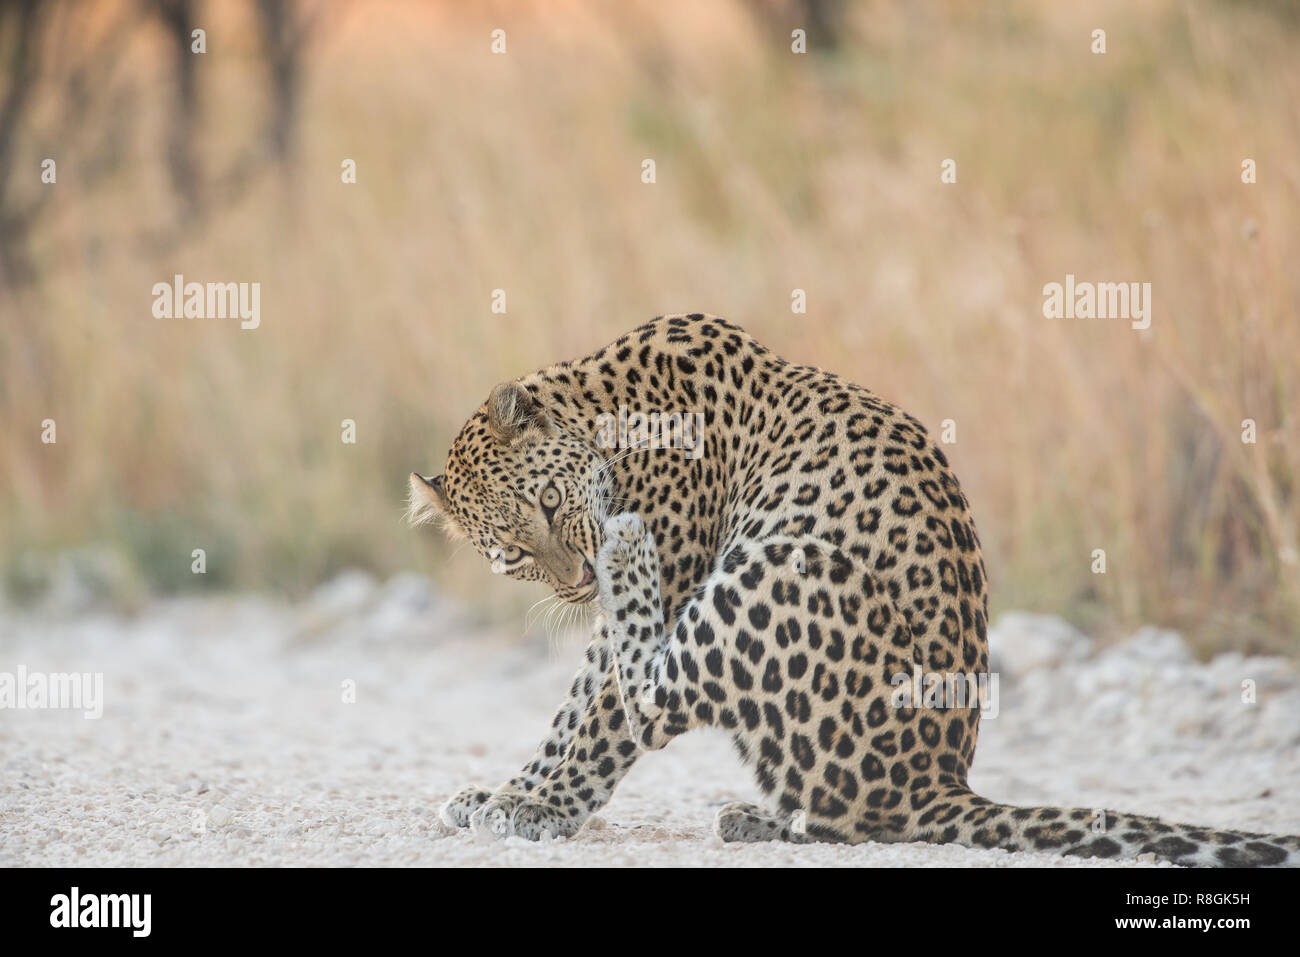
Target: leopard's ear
[513, 413]
[427, 501]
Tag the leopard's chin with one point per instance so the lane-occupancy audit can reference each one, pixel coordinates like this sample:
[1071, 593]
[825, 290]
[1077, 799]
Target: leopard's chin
[584, 591]
[584, 597]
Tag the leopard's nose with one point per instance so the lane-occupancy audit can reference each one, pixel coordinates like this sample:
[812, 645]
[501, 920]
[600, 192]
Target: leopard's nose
[588, 575]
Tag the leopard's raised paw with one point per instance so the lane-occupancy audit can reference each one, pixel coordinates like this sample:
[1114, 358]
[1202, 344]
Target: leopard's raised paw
[627, 527]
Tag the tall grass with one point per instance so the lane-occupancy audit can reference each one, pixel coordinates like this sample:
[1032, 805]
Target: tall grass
[775, 172]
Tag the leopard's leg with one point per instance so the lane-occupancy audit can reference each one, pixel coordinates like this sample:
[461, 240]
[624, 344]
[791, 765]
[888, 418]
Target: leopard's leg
[460, 809]
[657, 676]
[625, 716]
[599, 754]
[700, 672]
[748, 823]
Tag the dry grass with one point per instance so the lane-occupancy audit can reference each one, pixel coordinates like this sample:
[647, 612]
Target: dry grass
[775, 171]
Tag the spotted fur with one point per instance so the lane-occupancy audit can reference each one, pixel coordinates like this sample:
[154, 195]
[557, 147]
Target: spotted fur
[776, 586]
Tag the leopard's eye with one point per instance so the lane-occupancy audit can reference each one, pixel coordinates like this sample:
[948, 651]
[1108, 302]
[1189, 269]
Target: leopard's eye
[550, 500]
[503, 556]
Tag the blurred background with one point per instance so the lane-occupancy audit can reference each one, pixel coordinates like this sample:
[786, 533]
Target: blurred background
[521, 172]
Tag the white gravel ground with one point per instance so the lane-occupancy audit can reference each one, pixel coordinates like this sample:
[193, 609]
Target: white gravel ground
[225, 740]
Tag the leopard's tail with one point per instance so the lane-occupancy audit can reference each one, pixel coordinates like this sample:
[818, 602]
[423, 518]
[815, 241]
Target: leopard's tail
[964, 817]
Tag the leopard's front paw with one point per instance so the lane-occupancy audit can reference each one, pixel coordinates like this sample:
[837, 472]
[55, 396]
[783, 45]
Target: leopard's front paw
[624, 535]
[627, 527]
[461, 807]
[524, 816]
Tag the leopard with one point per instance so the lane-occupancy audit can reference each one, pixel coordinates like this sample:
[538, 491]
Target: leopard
[783, 575]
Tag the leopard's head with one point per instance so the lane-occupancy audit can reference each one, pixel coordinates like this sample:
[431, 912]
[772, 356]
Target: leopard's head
[527, 495]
